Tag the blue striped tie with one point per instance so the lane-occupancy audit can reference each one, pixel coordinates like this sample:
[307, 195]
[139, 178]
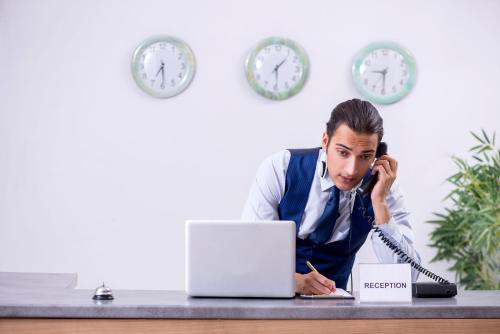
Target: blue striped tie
[323, 231]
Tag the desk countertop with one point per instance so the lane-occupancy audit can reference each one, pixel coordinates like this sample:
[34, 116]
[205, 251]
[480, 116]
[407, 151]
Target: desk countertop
[53, 296]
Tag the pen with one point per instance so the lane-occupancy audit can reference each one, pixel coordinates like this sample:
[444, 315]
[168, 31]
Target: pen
[311, 267]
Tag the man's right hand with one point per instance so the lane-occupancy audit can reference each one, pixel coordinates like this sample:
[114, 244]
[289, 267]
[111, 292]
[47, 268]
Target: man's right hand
[313, 284]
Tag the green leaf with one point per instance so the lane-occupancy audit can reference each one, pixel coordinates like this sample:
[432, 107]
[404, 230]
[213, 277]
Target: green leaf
[479, 139]
[485, 136]
[475, 148]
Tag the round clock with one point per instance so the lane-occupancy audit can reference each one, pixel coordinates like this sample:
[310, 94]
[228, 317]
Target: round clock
[163, 66]
[277, 68]
[384, 72]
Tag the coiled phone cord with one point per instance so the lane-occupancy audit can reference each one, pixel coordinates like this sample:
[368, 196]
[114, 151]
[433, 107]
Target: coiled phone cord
[395, 248]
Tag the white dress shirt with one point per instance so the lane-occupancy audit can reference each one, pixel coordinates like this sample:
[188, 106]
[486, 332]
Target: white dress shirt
[268, 189]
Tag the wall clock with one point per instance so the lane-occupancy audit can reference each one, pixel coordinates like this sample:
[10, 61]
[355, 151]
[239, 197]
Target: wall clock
[384, 72]
[163, 66]
[277, 68]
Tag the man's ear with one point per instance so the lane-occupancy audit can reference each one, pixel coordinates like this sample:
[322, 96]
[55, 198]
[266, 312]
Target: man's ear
[324, 141]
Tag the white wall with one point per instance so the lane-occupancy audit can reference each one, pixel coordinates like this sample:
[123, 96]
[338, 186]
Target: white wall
[97, 178]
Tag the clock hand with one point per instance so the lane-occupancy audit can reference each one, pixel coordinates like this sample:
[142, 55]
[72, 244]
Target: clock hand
[275, 71]
[278, 66]
[162, 70]
[159, 70]
[384, 72]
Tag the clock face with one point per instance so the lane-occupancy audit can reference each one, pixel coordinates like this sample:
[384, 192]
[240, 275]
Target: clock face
[277, 68]
[384, 72]
[163, 66]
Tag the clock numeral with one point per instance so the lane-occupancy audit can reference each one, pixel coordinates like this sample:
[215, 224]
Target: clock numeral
[180, 75]
[368, 62]
[382, 91]
[385, 52]
[144, 76]
[395, 55]
[294, 78]
[265, 83]
[275, 87]
[141, 67]
[394, 89]
[401, 82]
[365, 81]
[295, 58]
[152, 83]
[405, 72]
[173, 48]
[373, 88]
[267, 50]
[179, 56]
[277, 47]
[297, 69]
[172, 82]
[286, 85]
[162, 46]
[162, 86]
[257, 77]
[374, 54]
[183, 66]
[260, 58]
[402, 64]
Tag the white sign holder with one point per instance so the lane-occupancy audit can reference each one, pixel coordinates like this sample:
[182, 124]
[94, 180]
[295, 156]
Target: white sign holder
[385, 282]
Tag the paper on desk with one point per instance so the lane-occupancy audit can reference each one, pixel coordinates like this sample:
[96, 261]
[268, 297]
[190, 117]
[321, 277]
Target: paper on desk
[338, 294]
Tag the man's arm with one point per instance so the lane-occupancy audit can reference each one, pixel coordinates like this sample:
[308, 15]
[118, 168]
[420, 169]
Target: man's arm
[267, 189]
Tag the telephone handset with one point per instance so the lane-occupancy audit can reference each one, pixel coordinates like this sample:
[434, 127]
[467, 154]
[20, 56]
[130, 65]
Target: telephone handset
[368, 184]
[442, 288]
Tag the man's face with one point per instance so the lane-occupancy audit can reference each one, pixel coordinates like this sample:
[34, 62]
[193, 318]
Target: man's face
[349, 155]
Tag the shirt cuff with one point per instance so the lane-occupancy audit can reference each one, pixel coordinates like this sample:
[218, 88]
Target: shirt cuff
[391, 229]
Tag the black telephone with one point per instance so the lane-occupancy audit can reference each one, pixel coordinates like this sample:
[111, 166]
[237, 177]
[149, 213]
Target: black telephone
[442, 288]
[368, 185]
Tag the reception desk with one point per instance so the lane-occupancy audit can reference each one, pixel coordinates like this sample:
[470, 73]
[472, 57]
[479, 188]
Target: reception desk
[48, 303]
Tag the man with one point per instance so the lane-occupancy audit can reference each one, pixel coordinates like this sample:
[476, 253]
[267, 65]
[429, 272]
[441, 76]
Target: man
[316, 188]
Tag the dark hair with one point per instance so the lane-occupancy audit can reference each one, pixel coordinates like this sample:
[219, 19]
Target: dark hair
[360, 116]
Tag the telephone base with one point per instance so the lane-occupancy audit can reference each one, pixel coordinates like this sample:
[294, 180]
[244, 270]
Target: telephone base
[434, 290]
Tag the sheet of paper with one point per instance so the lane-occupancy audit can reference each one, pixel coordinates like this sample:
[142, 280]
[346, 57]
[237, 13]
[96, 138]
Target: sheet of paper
[338, 294]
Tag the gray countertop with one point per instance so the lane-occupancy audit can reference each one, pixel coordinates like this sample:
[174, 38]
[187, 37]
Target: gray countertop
[26, 281]
[59, 301]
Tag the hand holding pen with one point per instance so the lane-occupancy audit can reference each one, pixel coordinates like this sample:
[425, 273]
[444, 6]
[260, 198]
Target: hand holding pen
[313, 283]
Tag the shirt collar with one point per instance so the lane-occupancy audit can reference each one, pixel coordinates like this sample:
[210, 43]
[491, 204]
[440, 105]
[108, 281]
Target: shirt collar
[325, 180]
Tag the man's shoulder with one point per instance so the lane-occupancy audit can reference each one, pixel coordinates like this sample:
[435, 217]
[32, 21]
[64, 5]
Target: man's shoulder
[305, 151]
[277, 161]
[281, 159]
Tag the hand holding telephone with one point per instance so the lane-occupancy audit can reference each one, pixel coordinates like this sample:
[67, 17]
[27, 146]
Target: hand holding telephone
[442, 288]
[368, 185]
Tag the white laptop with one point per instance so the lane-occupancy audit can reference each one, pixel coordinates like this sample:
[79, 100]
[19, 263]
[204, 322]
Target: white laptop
[240, 258]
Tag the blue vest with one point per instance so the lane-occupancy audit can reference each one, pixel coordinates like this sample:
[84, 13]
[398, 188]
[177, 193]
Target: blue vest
[333, 260]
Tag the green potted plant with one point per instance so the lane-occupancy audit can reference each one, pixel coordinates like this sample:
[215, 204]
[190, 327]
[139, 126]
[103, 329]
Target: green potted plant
[468, 233]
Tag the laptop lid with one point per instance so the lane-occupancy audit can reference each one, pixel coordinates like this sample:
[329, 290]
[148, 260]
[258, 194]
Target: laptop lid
[240, 258]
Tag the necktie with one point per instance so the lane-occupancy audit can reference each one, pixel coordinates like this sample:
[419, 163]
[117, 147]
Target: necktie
[323, 231]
